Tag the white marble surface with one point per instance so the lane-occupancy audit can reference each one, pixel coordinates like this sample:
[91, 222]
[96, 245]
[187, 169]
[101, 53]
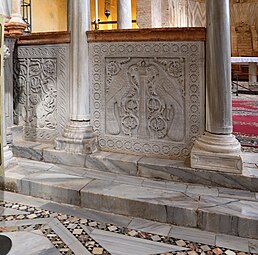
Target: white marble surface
[30, 244]
[116, 243]
[121, 245]
[223, 210]
[124, 14]
[5, 7]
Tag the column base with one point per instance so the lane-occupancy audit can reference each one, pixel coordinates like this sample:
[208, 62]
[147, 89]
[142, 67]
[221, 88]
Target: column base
[8, 157]
[78, 137]
[217, 153]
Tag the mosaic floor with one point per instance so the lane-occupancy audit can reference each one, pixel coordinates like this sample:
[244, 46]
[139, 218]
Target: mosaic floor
[38, 230]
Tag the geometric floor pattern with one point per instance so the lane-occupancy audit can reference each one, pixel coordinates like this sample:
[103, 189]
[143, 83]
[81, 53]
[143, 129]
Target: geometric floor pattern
[36, 231]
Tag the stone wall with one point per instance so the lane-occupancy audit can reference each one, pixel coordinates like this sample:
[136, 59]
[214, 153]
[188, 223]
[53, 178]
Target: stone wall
[41, 90]
[191, 13]
[147, 97]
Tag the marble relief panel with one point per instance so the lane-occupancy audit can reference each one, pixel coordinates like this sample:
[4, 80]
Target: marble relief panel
[40, 85]
[147, 99]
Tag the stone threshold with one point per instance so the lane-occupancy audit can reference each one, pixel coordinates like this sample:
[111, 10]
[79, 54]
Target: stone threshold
[218, 210]
[153, 168]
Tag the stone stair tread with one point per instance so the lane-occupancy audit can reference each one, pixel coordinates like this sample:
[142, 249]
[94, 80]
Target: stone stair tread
[137, 166]
[222, 210]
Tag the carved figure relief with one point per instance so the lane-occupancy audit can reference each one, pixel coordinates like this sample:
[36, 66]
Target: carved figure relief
[36, 92]
[150, 103]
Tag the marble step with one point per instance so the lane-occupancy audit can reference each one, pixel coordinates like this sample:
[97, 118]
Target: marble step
[219, 210]
[171, 170]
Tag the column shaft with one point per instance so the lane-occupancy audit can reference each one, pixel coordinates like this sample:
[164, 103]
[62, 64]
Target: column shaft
[7, 153]
[218, 63]
[156, 13]
[79, 23]
[217, 149]
[78, 136]
[16, 12]
[252, 72]
[124, 14]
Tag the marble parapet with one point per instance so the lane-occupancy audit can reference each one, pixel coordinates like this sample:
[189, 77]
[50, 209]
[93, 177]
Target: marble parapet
[148, 98]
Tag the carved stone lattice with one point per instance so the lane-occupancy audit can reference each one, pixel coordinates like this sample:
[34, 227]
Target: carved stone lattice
[148, 98]
[40, 85]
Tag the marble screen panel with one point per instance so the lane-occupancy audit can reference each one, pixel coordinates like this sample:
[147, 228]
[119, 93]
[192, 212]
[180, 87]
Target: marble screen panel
[147, 98]
[41, 90]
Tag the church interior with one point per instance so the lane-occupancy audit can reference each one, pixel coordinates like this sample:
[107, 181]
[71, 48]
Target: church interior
[129, 127]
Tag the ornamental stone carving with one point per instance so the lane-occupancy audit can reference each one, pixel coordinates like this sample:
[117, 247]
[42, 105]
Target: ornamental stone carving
[40, 85]
[148, 98]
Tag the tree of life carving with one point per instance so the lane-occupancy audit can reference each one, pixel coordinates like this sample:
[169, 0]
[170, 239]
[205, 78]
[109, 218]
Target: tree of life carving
[36, 92]
[149, 104]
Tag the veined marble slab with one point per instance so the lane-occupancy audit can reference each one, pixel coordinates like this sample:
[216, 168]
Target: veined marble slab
[49, 185]
[150, 167]
[124, 245]
[30, 244]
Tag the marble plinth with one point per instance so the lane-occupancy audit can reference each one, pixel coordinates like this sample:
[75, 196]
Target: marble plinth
[78, 137]
[218, 153]
[151, 167]
[8, 156]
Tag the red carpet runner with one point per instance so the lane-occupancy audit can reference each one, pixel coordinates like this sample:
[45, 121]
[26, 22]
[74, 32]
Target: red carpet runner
[245, 121]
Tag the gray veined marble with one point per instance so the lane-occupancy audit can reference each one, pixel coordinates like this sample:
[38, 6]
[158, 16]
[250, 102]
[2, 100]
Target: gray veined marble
[193, 234]
[30, 244]
[124, 245]
[150, 226]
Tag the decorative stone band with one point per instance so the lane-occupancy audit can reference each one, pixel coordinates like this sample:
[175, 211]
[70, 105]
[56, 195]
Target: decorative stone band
[45, 38]
[147, 34]
[15, 29]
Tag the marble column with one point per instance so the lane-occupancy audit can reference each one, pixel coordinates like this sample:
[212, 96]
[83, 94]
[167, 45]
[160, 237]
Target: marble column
[252, 72]
[16, 25]
[78, 136]
[124, 14]
[156, 13]
[7, 153]
[218, 149]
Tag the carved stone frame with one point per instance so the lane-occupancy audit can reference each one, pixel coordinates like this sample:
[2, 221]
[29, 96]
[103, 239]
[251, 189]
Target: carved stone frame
[193, 55]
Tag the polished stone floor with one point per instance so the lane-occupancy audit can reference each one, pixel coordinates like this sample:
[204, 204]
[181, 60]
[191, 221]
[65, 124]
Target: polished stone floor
[41, 227]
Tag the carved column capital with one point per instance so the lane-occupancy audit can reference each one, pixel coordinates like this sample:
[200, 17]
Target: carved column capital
[16, 26]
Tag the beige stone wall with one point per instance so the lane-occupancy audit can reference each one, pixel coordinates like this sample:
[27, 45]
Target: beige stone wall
[183, 13]
[49, 15]
[244, 22]
[112, 6]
